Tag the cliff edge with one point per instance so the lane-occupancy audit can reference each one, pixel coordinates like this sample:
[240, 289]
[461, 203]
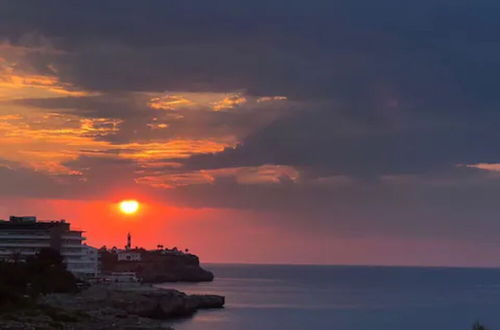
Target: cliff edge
[156, 266]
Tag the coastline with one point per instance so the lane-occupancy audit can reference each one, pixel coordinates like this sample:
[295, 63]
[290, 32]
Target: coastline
[103, 307]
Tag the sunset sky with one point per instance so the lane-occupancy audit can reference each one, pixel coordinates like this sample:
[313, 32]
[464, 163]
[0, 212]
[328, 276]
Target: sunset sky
[264, 131]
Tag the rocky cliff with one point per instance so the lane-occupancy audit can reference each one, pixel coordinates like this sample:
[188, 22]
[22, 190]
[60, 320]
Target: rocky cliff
[109, 308]
[141, 301]
[157, 267]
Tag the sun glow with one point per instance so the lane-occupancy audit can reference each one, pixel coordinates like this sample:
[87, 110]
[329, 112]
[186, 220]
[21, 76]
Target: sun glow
[129, 206]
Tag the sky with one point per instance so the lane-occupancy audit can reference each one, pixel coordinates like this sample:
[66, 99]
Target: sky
[324, 132]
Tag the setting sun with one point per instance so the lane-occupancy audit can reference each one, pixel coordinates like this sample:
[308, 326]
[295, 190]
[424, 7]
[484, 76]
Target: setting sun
[129, 206]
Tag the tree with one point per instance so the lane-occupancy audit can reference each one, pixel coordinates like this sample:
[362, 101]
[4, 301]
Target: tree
[47, 257]
[47, 273]
[22, 282]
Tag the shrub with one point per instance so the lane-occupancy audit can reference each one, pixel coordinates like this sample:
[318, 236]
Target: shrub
[22, 282]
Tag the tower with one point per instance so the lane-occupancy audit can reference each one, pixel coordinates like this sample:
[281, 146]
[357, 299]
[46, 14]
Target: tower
[129, 242]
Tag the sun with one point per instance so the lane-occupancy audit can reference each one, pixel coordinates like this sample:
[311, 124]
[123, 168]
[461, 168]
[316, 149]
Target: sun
[129, 206]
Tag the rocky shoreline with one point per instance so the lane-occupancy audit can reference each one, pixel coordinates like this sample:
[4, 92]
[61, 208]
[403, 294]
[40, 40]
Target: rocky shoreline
[108, 307]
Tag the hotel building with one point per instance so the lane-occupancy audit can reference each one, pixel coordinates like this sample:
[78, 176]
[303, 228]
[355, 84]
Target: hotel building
[21, 237]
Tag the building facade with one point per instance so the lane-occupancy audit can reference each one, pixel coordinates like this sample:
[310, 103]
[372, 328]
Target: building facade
[21, 237]
[129, 255]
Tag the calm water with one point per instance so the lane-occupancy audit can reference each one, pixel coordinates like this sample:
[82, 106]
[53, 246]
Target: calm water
[261, 297]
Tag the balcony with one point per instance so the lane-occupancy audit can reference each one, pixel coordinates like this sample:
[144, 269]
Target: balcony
[74, 237]
[21, 244]
[72, 254]
[71, 245]
[21, 236]
[11, 252]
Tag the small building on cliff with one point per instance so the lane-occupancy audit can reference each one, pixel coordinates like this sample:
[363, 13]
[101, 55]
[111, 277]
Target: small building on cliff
[153, 266]
[129, 255]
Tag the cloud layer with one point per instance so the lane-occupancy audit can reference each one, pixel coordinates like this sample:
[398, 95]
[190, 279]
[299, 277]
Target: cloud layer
[351, 118]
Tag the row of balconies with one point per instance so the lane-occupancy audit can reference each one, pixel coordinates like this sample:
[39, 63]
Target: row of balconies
[24, 244]
[35, 243]
[7, 235]
[33, 250]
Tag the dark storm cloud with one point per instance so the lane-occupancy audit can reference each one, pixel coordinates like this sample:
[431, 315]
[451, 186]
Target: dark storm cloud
[385, 87]
[322, 49]
[415, 83]
[325, 143]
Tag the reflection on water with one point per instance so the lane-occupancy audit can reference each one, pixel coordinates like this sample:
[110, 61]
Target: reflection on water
[346, 298]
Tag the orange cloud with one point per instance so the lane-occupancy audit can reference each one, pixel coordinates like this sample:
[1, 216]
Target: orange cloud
[169, 102]
[229, 102]
[179, 148]
[34, 138]
[10, 82]
[204, 100]
[265, 174]
[157, 126]
[18, 79]
[45, 141]
[493, 167]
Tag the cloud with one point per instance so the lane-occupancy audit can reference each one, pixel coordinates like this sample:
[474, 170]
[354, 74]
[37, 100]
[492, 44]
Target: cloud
[377, 94]
[495, 167]
[169, 102]
[19, 181]
[20, 77]
[229, 102]
[351, 117]
[265, 174]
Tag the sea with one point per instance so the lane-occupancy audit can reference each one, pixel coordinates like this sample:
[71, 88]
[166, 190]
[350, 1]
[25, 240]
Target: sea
[291, 297]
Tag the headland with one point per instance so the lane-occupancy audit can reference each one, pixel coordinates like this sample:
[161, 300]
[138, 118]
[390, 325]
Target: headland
[50, 279]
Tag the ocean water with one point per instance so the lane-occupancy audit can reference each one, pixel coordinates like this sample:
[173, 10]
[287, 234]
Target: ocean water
[261, 297]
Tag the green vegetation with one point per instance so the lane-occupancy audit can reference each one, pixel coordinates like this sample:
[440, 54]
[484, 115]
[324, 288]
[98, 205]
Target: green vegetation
[22, 282]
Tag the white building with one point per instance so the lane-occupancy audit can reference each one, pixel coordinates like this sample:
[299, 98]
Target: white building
[89, 261]
[129, 255]
[21, 237]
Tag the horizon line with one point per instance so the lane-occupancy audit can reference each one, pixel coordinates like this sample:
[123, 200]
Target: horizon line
[349, 265]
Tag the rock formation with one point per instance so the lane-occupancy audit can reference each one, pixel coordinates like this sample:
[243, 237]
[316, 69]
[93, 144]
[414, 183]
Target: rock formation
[110, 307]
[157, 267]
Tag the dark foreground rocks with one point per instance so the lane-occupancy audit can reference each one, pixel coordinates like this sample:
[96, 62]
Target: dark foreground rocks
[106, 308]
[162, 304]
